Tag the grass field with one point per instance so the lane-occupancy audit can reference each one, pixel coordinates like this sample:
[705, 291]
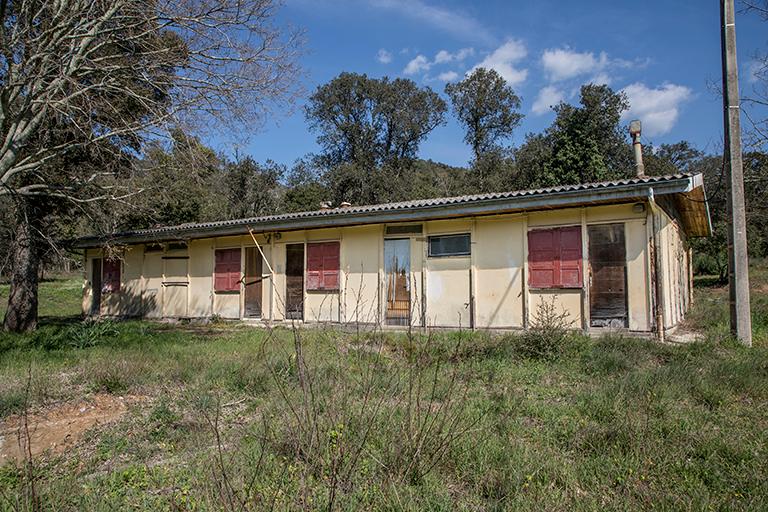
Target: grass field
[231, 417]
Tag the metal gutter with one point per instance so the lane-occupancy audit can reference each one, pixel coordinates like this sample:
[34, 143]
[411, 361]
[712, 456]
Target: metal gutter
[489, 204]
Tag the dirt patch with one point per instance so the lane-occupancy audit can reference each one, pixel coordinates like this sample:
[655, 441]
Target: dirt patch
[58, 428]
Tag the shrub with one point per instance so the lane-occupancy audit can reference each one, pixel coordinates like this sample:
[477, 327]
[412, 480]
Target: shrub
[548, 333]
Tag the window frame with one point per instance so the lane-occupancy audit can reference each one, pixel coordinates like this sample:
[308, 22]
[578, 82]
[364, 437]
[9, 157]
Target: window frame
[430, 254]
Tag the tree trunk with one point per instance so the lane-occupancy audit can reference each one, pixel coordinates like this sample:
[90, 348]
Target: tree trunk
[21, 315]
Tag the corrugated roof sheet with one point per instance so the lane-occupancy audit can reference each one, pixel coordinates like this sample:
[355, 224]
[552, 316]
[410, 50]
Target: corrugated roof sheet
[396, 206]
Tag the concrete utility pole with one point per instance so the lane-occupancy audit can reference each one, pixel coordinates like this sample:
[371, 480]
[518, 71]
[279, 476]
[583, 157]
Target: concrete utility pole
[738, 259]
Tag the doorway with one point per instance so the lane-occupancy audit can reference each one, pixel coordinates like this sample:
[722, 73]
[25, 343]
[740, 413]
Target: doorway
[252, 282]
[607, 276]
[397, 269]
[96, 286]
[294, 281]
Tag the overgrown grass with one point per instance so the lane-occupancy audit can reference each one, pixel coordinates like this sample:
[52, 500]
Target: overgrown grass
[221, 420]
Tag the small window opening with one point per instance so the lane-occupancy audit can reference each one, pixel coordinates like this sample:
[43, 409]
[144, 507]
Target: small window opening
[449, 245]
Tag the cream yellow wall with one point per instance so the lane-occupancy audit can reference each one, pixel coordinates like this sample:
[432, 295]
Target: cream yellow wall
[359, 261]
[132, 282]
[443, 286]
[565, 301]
[447, 279]
[153, 284]
[200, 278]
[498, 255]
[635, 234]
[674, 270]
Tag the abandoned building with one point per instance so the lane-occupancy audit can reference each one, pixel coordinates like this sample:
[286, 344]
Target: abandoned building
[612, 255]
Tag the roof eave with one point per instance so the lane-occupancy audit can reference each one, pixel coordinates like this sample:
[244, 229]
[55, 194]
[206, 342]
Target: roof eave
[548, 200]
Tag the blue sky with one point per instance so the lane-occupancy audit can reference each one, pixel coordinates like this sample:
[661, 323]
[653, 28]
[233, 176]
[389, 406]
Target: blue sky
[664, 55]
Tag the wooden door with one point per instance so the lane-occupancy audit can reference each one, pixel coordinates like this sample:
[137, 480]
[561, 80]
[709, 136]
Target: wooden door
[96, 286]
[252, 282]
[175, 285]
[607, 276]
[294, 281]
[397, 269]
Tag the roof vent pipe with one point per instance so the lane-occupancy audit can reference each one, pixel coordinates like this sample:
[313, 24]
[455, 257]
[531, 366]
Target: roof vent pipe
[325, 205]
[635, 129]
[345, 204]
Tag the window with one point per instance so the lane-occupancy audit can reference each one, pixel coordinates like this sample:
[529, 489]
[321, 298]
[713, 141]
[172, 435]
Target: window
[323, 266]
[226, 275]
[449, 245]
[110, 276]
[404, 229]
[554, 258]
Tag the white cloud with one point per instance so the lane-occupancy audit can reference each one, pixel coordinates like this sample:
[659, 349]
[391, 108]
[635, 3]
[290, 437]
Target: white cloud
[601, 79]
[444, 56]
[755, 71]
[417, 64]
[457, 23]
[658, 108]
[548, 97]
[503, 60]
[384, 56]
[563, 63]
[448, 76]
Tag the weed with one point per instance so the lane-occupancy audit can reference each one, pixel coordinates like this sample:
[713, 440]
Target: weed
[548, 333]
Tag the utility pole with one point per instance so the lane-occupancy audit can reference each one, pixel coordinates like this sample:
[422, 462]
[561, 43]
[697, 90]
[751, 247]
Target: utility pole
[738, 259]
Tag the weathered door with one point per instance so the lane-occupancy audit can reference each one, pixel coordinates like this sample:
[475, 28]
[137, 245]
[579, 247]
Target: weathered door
[607, 276]
[294, 281]
[397, 269]
[175, 284]
[252, 281]
[96, 286]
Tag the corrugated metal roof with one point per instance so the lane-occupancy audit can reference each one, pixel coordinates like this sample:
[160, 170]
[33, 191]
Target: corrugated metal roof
[351, 211]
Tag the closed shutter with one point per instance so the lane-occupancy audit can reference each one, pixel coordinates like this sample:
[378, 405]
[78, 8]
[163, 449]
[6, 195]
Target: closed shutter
[315, 266]
[570, 257]
[110, 276]
[541, 258]
[226, 276]
[554, 258]
[331, 266]
[323, 266]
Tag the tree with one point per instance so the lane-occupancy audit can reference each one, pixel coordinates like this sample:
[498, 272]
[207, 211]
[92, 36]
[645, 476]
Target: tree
[487, 107]
[305, 189]
[253, 189]
[372, 123]
[585, 143]
[100, 77]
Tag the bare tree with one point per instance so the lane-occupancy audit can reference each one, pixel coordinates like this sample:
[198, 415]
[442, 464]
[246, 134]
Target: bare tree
[97, 78]
[755, 94]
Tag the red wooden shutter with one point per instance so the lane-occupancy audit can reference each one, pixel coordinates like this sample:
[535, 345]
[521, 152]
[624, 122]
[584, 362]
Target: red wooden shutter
[110, 276]
[331, 266]
[315, 266]
[570, 257]
[554, 258]
[323, 266]
[226, 275]
[541, 258]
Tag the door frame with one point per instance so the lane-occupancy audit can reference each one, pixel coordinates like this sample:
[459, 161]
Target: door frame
[96, 284]
[257, 279]
[591, 292]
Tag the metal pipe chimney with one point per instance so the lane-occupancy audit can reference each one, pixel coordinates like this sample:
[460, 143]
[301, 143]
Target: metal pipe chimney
[635, 129]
